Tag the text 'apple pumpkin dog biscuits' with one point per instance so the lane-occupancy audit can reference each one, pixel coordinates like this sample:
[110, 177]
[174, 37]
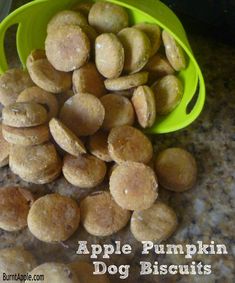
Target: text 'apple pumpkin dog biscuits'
[12, 83]
[26, 136]
[109, 46]
[134, 186]
[24, 114]
[65, 138]
[108, 17]
[53, 218]
[67, 48]
[39, 164]
[84, 171]
[98, 146]
[118, 111]
[16, 261]
[88, 80]
[144, 103]
[101, 216]
[137, 49]
[4, 149]
[85, 273]
[54, 272]
[126, 143]
[15, 203]
[176, 169]
[83, 113]
[40, 96]
[155, 224]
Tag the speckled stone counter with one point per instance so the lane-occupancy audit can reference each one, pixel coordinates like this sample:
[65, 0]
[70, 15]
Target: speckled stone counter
[206, 213]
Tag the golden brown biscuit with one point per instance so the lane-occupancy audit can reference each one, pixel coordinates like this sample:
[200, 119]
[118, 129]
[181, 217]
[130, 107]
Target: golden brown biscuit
[84, 272]
[108, 17]
[16, 261]
[98, 146]
[38, 164]
[126, 82]
[54, 273]
[109, 55]
[12, 83]
[88, 80]
[83, 113]
[137, 49]
[144, 104]
[42, 97]
[26, 136]
[67, 48]
[101, 216]
[168, 94]
[4, 149]
[155, 224]
[65, 138]
[24, 114]
[176, 169]
[48, 78]
[153, 32]
[65, 17]
[174, 52]
[158, 66]
[53, 218]
[84, 171]
[126, 143]
[118, 111]
[134, 186]
[36, 54]
[83, 7]
[14, 208]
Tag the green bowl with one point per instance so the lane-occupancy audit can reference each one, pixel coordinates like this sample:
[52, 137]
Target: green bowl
[32, 20]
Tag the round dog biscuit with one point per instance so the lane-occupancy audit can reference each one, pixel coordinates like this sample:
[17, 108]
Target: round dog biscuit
[98, 146]
[126, 143]
[137, 49]
[84, 272]
[118, 111]
[83, 113]
[48, 78]
[54, 272]
[36, 54]
[174, 52]
[168, 94]
[153, 32]
[155, 224]
[38, 164]
[15, 204]
[101, 216]
[67, 48]
[53, 218]
[108, 17]
[134, 186]
[65, 138]
[65, 17]
[24, 114]
[42, 97]
[84, 171]
[176, 169]
[12, 82]
[126, 82]
[88, 80]
[109, 46]
[144, 104]
[4, 149]
[16, 261]
[26, 136]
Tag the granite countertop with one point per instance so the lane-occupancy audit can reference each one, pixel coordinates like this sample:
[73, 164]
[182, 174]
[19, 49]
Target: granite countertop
[206, 213]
